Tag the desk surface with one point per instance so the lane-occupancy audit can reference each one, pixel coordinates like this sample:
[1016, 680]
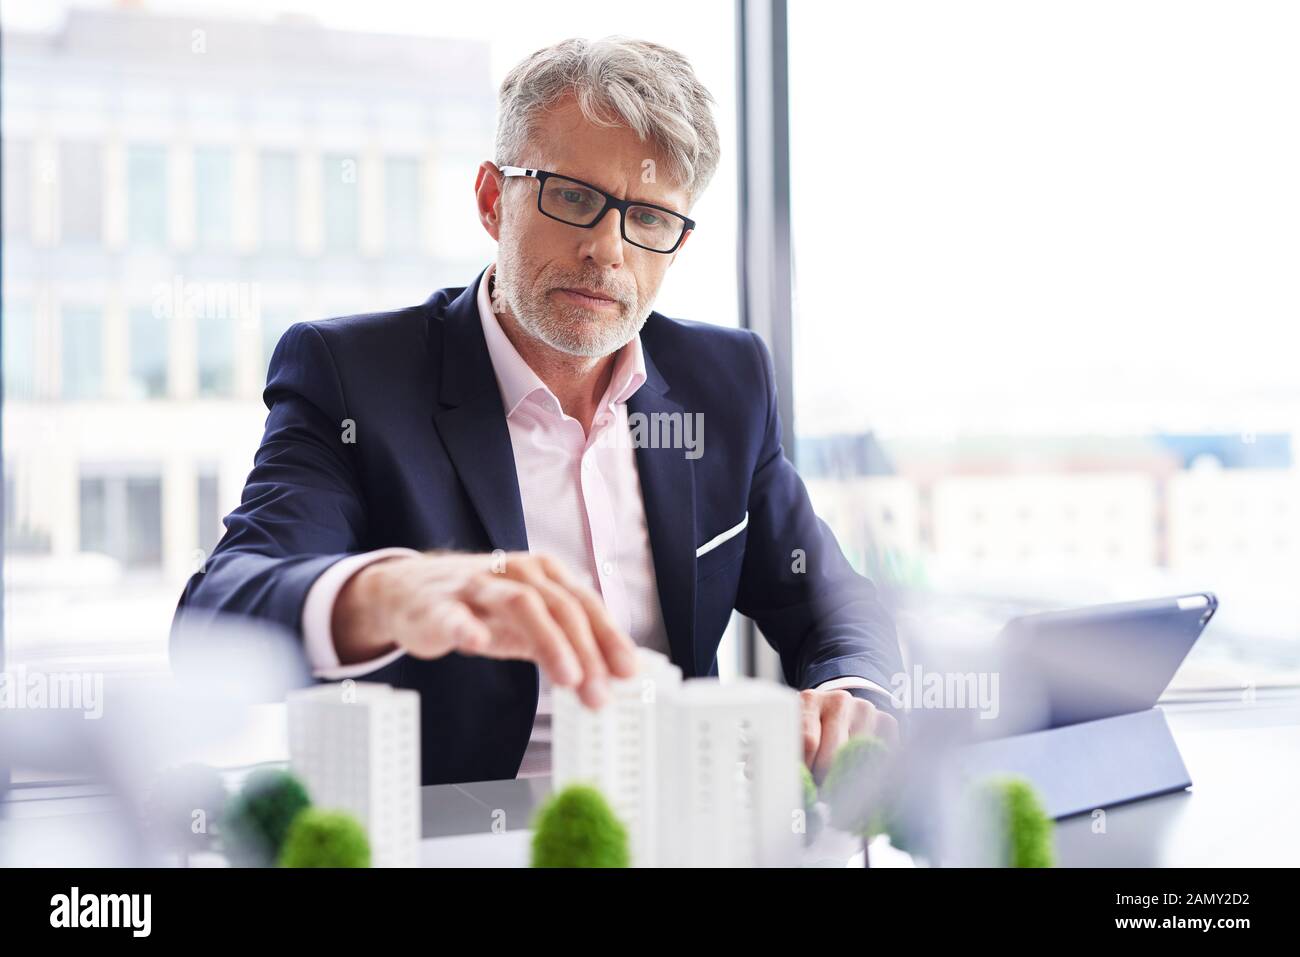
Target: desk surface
[1244, 760]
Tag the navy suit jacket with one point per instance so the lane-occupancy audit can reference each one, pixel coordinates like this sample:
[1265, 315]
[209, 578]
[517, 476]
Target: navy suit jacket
[432, 467]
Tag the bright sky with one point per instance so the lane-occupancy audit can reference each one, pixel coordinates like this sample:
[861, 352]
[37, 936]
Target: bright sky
[1048, 215]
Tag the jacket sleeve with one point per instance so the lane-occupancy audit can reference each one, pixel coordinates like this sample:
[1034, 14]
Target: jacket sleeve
[301, 508]
[823, 618]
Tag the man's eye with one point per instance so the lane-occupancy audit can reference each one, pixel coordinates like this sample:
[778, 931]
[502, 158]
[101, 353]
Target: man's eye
[574, 196]
[647, 218]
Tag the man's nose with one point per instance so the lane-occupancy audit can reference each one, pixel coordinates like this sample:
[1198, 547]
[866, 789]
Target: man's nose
[604, 241]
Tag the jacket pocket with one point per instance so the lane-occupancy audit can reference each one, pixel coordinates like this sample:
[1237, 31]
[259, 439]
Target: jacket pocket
[722, 549]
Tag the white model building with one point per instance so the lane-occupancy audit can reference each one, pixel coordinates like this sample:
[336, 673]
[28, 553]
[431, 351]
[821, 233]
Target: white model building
[614, 748]
[702, 774]
[356, 747]
[729, 761]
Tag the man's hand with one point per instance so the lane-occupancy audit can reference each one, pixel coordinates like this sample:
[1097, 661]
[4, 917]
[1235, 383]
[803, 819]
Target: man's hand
[832, 717]
[516, 605]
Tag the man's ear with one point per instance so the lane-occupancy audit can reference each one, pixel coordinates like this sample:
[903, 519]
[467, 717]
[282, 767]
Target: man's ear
[685, 237]
[487, 193]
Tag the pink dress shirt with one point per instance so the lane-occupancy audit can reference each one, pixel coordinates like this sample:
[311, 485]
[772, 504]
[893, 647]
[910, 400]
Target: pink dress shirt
[581, 496]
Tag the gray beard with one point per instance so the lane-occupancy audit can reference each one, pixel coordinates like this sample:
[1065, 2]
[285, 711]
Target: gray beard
[595, 347]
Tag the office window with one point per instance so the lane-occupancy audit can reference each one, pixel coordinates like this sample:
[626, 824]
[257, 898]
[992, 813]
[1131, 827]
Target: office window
[146, 170]
[82, 342]
[19, 346]
[22, 536]
[208, 513]
[81, 192]
[93, 514]
[279, 200]
[1038, 263]
[340, 177]
[148, 363]
[216, 355]
[144, 521]
[18, 186]
[401, 204]
[213, 196]
[274, 324]
[121, 516]
[430, 121]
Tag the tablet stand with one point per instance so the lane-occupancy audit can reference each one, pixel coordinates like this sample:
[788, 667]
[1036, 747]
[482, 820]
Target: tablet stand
[1093, 764]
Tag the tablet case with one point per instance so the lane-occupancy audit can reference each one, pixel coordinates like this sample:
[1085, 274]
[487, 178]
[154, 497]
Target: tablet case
[1081, 767]
[1101, 670]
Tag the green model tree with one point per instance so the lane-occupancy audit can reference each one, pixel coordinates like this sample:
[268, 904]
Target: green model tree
[577, 828]
[1023, 835]
[257, 819]
[184, 807]
[855, 789]
[319, 838]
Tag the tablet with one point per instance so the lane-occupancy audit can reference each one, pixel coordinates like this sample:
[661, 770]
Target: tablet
[1105, 660]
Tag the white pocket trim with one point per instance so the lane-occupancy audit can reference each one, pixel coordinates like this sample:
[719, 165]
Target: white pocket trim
[717, 540]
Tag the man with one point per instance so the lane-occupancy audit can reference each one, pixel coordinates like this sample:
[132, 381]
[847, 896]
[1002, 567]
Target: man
[453, 496]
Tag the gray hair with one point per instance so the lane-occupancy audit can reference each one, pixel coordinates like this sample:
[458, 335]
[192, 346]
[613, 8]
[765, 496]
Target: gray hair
[617, 81]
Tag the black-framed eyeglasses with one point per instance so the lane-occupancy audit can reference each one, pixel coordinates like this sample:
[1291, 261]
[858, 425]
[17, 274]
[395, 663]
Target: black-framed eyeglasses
[576, 203]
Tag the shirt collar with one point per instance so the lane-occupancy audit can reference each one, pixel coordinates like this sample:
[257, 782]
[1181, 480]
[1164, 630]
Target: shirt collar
[516, 379]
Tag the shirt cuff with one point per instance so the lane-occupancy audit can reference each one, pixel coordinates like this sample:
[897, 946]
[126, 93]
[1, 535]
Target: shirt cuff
[853, 681]
[318, 613]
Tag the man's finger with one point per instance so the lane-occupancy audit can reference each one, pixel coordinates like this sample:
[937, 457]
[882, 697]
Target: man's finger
[861, 717]
[812, 727]
[522, 627]
[884, 726]
[570, 615]
[461, 630]
[836, 717]
[617, 649]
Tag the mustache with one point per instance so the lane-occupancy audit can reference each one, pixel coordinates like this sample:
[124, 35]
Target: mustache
[594, 286]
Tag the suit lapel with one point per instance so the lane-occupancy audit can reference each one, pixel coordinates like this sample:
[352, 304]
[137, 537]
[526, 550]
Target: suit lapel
[668, 490]
[472, 422]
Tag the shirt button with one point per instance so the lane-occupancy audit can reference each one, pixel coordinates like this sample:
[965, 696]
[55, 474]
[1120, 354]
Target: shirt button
[586, 465]
[607, 568]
